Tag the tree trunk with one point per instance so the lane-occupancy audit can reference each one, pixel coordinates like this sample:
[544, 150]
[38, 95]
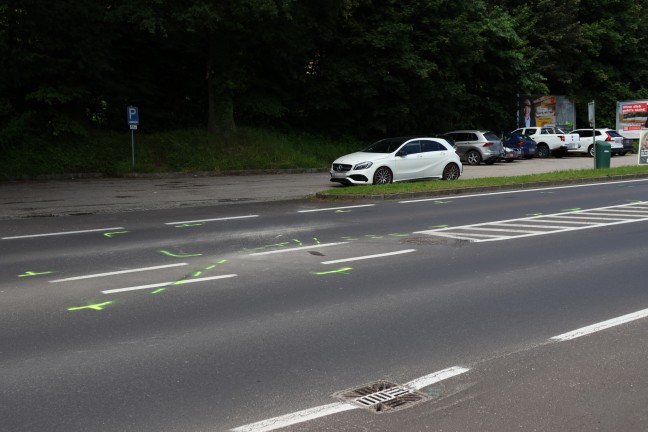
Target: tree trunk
[221, 109]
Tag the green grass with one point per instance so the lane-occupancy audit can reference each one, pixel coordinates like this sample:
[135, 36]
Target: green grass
[177, 151]
[439, 185]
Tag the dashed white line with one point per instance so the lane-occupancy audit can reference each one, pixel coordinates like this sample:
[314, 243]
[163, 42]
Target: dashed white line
[211, 220]
[63, 233]
[369, 256]
[335, 208]
[117, 272]
[334, 408]
[164, 284]
[601, 326]
[298, 248]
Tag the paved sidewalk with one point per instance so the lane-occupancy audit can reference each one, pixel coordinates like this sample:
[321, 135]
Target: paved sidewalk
[105, 195]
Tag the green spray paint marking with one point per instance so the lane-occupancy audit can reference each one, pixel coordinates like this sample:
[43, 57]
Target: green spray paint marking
[349, 238]
[31, 273]
[398, 235]
[196, 274]
[298, 242]
[159, 290]
[547, 192]
[440, 226]
[342, 270]
[534, 214]
[210, 267]
[316, 240]
[98, 306]
[114, 233]
[373, 236]
[180, 282]
[571, 209]
[442, 202]
[342, 211]
[188, 225]
[178, 256]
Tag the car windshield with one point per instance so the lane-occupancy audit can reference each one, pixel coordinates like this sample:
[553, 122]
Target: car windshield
[384, 146]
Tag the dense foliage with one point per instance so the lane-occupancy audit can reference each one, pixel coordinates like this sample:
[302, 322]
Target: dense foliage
[360, 68]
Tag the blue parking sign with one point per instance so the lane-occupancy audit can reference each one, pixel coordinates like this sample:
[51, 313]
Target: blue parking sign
[132, 115]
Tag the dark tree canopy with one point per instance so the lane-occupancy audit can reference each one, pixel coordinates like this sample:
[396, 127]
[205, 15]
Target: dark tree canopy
[336, 67]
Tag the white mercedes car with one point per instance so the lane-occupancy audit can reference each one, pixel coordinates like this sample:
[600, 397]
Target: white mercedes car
[398, 159]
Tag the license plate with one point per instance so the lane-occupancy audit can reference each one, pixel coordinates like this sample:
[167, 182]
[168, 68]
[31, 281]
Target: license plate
[338, 175]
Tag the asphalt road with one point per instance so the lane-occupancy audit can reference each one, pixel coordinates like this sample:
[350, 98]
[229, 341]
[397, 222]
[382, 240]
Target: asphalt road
[251, 316]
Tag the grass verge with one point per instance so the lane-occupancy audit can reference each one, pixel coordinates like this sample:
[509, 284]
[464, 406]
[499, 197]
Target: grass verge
[441, 185]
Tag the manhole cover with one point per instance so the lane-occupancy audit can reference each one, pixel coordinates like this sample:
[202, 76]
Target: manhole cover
[381, 397]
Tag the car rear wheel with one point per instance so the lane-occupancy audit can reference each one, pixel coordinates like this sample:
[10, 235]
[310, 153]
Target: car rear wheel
[473, 157]
[451, 172]
[543, 151]
[383, 175]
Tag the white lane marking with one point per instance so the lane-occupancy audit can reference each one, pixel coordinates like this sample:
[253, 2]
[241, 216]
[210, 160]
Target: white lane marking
[464, 232]
[601, 326]
[335, 208]
[296, 417]
[334, 408]
[369, 256]
[297, 248]
[63, 233]
[117, 272]
[163, 284]
[436, 377]
[517, 191]
[211, 220]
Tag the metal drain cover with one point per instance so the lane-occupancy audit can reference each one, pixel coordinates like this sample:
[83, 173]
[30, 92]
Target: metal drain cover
[381, 397]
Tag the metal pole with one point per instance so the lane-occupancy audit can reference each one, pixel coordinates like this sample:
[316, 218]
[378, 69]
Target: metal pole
[133, 146]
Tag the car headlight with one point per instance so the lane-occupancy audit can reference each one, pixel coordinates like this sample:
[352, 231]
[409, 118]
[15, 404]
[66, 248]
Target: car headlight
[363, 165]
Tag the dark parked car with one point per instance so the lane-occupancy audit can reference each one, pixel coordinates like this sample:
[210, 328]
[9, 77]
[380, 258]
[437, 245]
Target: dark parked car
[528, 147]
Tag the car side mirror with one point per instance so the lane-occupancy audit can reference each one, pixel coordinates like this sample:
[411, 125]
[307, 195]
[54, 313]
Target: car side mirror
[401, 153]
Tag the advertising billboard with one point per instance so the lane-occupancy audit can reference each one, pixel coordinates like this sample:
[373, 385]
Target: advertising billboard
[631, 117]
[643, 146]
[546, 110]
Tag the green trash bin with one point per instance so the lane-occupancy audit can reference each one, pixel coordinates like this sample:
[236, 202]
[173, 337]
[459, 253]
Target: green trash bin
[602, 153]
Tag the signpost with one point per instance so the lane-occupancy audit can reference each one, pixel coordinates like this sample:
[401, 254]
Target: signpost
[132, 115]
[591, 115]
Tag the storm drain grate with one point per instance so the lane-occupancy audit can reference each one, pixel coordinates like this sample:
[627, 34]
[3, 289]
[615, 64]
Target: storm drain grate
[381, 396]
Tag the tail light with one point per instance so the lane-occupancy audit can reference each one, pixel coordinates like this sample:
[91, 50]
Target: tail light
[609, 138]
[487, 144]
[562, 137]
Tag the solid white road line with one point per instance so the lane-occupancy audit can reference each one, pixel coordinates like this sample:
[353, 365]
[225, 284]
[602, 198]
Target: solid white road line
[297, 248]
[117, 272]
[211, 220]
[601, 326]
[163, 284]
[335, 208]
[334, 408]
[369, 256]
[517, 191]
[63, 233]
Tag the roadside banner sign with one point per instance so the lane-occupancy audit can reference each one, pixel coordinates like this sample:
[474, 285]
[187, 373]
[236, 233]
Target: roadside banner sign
[643, 147]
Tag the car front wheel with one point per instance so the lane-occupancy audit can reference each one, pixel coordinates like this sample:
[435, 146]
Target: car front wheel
[590, 151]
[451, 172]
[383, 175]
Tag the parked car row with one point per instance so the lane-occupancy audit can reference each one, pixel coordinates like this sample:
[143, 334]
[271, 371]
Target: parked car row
[442, 156]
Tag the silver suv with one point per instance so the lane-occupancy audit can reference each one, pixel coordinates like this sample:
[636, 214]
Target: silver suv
[476, 146]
